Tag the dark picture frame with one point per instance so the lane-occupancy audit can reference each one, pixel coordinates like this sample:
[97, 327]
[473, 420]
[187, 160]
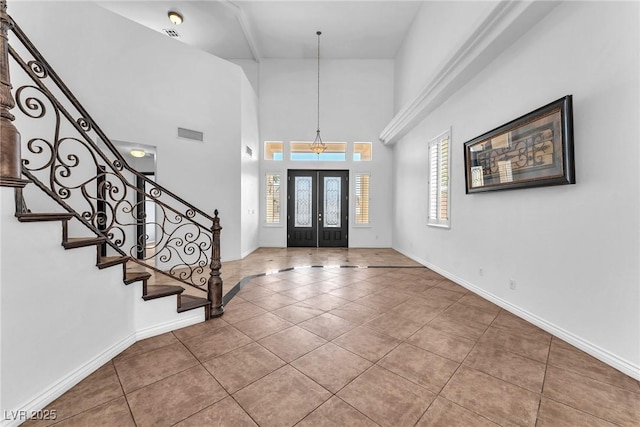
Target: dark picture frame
[534, 150]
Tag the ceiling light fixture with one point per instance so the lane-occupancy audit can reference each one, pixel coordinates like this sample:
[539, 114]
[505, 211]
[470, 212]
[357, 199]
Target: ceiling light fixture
[175, 17]
[137, 153]
[318, 146]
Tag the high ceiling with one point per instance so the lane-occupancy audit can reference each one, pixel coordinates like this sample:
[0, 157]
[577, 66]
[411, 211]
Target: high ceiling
[280, 29]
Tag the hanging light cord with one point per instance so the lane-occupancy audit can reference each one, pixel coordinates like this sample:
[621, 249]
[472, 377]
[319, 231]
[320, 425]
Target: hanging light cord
[318, 33]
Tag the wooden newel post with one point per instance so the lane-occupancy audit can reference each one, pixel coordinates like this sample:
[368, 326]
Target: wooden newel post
[10, 158]
[215, 281]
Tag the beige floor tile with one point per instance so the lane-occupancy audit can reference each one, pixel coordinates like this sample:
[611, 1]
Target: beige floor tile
[451, 286]
[241, 367]
[602, 400]
[282, 398]
[356, 313]
[274, 301]
[513, 368]
[443, 294]
[253, 292]
[478, 301]
[111, 414]
[327, 326]
[148, 344]
[291, 343]
[387, 398]
[302, 293]
[218, 342]
[394, 325]
[325, 302]
[146, 368]
[382, 303]
[100, 387]
[458, 326]
[297, 313]
[200, 328]
[419, 366]
[350, 293]
[443, 413]
[472, 313]
[367, 343]
[506, 320]
[534, 347]
[175, 398]
[450, 346]
[418, 312]
[225, 413]
[335, 412]
[331, 366]
[501, 402]
[239, 312]
[552, 413]
[263, 325]
[565, 356]
[281, 285]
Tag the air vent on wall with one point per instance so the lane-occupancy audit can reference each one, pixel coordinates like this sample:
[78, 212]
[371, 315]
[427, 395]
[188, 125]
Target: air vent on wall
[193, 135]
[171, 33]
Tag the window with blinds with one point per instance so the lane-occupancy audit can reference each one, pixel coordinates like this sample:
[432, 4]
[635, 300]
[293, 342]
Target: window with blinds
[439, 149]
[362, 198]
[273, 198]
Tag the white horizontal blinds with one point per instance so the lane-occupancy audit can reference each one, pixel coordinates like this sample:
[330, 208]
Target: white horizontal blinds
[443, 178]
[439, 188]
[362, 197]
[273, 198]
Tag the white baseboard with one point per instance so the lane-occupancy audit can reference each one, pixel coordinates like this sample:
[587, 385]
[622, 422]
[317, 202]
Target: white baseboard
[599, 353]
[65, 384]
[186, 319]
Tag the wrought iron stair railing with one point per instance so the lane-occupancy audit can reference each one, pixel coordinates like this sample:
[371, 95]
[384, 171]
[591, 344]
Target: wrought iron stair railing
[68, 156]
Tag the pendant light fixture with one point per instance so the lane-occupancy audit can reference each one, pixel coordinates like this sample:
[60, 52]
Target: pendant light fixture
[318, 146]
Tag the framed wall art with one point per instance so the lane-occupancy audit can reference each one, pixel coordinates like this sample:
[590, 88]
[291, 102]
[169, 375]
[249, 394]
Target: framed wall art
[531, 151]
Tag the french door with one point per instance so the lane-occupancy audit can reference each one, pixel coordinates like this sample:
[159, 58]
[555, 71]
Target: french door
[318, 208]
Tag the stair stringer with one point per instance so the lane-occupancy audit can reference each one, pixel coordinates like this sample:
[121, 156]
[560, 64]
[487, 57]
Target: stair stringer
[61, 317]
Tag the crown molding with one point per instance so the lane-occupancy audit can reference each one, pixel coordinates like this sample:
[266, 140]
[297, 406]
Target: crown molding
[500, 28]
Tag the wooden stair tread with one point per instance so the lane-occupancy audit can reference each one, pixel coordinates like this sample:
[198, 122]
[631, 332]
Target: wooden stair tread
[134, 276]
[79, 242]
[44, 216]
[110, 261]
[159, 291]
[189, 302]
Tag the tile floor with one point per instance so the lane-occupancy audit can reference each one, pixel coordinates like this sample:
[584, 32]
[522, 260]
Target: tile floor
[352, 347]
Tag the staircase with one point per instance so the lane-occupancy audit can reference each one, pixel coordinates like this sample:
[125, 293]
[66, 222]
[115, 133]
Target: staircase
[101, 198]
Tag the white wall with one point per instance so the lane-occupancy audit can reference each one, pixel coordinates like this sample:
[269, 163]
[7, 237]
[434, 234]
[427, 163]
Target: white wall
[140, 85]
[572, 250]
[356, 99]
[250, 169]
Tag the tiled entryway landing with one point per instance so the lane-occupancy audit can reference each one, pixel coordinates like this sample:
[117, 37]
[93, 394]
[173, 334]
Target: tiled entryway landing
[354, 347]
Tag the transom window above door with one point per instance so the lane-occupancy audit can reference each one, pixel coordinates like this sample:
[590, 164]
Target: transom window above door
[335, 152]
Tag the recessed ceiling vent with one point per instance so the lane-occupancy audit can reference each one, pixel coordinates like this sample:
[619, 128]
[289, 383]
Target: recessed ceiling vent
[193, 135]
[171, 32]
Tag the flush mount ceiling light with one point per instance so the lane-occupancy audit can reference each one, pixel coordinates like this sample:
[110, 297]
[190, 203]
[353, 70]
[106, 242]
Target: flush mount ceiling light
[175, 17]
[137, 153]
[318, 146]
